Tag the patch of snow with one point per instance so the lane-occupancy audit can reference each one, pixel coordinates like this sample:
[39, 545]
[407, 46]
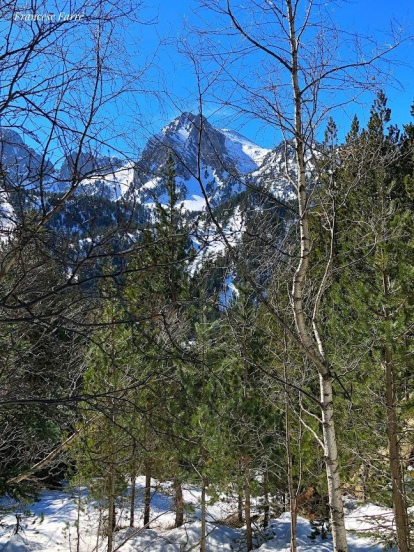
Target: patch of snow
[7, 218]
[196, 203]
[281, 542]
[16, 544]
[151, 184]
[248, 156]
[119, 181]
[51, 525]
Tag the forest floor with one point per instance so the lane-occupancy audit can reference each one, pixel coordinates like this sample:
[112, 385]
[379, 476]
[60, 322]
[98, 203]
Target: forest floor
[50, 524]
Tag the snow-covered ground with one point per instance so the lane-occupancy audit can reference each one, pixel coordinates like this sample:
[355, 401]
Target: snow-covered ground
[51, 525]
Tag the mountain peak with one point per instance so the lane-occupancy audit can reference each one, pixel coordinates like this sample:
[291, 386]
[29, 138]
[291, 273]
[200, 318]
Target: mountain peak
[185, 125]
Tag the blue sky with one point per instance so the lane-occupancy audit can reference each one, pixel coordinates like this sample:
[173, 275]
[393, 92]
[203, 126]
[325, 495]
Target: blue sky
[366, 16]
[169, 86]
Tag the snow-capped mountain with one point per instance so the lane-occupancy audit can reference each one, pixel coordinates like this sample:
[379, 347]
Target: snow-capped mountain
[98, 174]
[219, 158]
[225, 151]
[114, 199]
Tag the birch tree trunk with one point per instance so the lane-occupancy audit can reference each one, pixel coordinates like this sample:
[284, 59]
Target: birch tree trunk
[292, 492]
[332, 466]
[331, 453]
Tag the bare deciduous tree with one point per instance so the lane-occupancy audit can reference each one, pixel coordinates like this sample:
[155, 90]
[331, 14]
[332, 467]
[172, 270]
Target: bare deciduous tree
[66, 72]
[288, 64]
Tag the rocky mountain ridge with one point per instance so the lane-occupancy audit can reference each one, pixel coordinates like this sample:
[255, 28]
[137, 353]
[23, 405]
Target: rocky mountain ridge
[213, 163]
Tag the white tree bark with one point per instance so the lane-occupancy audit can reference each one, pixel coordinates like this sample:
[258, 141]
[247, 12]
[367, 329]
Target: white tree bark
[332, 466]
[329, 437]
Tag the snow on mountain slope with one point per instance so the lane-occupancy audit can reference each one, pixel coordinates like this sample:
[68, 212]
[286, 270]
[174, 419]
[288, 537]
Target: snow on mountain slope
[194, 203]
[226, 159]
[7, 217]
[210, 243]
[276, 169]
[221, 158]
[242, 148]
[117, 181]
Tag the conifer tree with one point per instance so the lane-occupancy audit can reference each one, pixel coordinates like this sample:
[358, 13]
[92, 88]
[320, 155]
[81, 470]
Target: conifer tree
[370, 304]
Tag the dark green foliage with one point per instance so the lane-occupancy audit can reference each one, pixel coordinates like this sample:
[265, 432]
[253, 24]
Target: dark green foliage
[370, 300]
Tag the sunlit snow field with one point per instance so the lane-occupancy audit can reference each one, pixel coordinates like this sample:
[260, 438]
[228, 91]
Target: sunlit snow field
[51, 525]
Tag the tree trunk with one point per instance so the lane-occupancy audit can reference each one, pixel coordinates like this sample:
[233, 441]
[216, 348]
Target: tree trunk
[249, 535]
[398, 493]
[266, 508]
[315, 352]
[147, 494]
[292, 493]
[179, 502]
[203, 517]
[98, 533]
[365, 475]
[111, 515]
[132, 503]
[78, 520]
[332, 467]
[111, 497]
[240, 506]
[289, 459]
